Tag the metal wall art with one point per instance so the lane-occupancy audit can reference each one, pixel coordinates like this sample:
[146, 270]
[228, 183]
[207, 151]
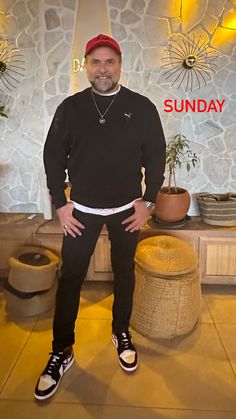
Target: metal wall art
[11, 66]
[233, 3]
[189, 62]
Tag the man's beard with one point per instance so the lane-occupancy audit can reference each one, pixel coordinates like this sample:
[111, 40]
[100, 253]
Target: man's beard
[102, 87]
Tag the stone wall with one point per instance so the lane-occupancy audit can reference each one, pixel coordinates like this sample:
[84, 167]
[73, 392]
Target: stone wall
[44, 31]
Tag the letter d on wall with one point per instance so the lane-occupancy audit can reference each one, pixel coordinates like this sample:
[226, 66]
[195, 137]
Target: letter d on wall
[76, 65]
[91, 19]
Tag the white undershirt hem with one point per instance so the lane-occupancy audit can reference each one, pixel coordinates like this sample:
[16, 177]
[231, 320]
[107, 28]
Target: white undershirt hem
[103, 211]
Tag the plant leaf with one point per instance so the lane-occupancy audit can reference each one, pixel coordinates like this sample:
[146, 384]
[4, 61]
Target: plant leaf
[177, 152]
[2, 111]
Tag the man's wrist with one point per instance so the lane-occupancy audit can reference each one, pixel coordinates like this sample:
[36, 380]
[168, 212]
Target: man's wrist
[150, 205]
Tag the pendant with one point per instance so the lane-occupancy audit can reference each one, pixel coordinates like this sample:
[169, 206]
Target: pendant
[102, 120]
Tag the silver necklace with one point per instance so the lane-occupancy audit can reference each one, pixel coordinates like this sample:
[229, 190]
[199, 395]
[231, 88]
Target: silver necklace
[102, 119]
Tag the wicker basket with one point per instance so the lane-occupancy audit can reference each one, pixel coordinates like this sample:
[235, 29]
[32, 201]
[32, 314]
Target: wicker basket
[167, 300]
[32, 282]
[217, 209]
[32, 276]
[32, 305]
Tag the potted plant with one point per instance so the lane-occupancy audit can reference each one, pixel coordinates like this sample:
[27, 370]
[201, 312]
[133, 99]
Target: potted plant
[2, 111]
[173, 202]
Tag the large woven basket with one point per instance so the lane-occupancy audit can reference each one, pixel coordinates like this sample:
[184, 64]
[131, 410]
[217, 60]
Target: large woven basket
[31, 275]
[167, 297]
[217, 209]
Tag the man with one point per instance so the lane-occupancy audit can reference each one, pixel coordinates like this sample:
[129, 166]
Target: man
[103, 135]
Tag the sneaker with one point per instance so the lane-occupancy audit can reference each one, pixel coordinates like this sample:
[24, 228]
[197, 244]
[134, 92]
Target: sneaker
[128, 357]
[51, 376]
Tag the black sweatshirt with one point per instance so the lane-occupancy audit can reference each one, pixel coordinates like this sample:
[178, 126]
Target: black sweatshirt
[104, 161]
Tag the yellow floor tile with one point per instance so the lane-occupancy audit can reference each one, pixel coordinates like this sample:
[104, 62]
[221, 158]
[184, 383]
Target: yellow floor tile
[186, 378]
[228, 335]
[191, 372]
[29, 410]
[205, 316]
[13, 336]
[221, 300]
[96, 300]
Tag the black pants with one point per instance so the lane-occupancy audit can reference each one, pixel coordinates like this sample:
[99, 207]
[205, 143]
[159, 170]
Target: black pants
[76, 253]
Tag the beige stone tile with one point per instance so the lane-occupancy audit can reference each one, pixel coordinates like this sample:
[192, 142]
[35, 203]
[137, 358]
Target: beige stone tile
[95, 303]
[186, 373]
[228, 335]
[13, 336]
[96, 300]
[205, 316]
[221, 300]
[29, 410]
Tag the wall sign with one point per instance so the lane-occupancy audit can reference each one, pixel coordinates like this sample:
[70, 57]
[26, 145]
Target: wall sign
[78, 65]
[195, 105]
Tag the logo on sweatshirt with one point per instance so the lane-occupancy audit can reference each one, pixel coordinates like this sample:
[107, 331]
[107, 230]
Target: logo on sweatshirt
[128, 115]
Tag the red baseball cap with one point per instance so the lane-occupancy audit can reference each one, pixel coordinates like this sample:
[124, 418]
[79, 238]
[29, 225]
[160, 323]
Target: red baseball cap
[102, 41]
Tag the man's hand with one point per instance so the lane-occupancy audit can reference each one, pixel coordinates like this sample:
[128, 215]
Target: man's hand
[139, 218]
[69, 223]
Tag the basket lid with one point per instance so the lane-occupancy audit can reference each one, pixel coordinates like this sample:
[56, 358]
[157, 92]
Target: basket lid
[166, 255]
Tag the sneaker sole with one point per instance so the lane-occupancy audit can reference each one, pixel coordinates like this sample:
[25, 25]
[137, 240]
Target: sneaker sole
[55, 389]
[115, 343]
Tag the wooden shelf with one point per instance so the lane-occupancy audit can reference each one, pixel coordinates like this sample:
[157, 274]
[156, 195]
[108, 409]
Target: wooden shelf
[214, 245]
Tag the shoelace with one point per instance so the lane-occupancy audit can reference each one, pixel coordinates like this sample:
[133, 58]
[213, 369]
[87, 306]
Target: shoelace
[125, 340]
[54, 363]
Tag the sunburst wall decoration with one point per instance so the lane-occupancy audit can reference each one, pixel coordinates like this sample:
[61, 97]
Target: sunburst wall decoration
[189, 62]
[11, 66]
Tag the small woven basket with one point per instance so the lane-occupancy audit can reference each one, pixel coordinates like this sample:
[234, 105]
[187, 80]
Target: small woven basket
[217, 209]
[167, 297]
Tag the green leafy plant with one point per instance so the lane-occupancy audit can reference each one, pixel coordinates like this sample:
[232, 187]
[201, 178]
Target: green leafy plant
[2, 111]
[178, 152]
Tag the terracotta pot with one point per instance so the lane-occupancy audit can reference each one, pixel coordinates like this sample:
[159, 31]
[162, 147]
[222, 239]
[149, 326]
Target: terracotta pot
[171, 207]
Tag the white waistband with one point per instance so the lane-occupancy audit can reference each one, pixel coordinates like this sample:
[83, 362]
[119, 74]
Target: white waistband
[104, 211]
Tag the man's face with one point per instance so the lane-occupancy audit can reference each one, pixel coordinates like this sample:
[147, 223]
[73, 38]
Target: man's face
[103, 67]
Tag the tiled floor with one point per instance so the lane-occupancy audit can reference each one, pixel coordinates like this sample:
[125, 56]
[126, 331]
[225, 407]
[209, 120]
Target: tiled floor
[187, 378]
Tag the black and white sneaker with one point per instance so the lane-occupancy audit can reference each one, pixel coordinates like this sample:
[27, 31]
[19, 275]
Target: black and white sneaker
[128, 357]
[51, 376]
